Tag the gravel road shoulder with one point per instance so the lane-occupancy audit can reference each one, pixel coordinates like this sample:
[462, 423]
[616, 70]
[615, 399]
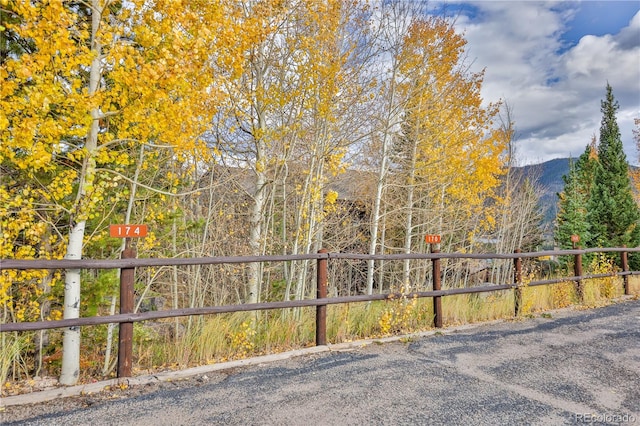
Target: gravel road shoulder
[567, 367]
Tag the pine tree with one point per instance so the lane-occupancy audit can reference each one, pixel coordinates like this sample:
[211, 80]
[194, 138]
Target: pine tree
[573, 200]
[612, 212]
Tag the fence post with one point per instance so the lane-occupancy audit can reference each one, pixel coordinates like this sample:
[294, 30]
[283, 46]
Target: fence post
[125, 334]
[437, 285]
[321, 293]
[624, 258]
[577, 270]
[517, 275]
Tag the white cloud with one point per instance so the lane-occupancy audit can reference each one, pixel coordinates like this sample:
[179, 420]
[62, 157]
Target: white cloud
[629, 37]
[554, 89]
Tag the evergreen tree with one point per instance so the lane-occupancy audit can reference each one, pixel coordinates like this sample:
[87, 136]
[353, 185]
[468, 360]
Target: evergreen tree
[573, 200]
[613, 214]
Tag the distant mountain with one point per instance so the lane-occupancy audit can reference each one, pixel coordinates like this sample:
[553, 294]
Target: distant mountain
[549, 176]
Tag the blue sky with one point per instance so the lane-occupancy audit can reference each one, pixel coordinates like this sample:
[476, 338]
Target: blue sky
[551, 62]
[600, 18]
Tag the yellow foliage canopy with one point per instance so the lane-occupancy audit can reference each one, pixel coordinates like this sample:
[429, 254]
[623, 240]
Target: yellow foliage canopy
[156, 86]
[458, 154]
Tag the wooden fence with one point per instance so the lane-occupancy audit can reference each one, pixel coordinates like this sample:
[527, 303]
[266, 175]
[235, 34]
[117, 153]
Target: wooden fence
[129, 263]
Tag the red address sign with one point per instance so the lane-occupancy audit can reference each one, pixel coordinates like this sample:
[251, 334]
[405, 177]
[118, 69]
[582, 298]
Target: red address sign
[432, 239]
[127, 231]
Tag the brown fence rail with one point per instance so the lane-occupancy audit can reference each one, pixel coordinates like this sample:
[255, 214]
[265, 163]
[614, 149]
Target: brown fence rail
[128, 263]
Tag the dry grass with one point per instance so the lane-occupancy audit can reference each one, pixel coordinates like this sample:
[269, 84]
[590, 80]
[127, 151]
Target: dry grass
[173, 344]
[470, 308]
[634, 284]
[231, 336]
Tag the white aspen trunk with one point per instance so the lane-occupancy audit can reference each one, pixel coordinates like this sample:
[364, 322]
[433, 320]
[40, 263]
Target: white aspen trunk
[294, 250]
[300, 236]
[382, 178]
[316, 204]
[504, 243]
[440, 227]
[310, 229]
[258, 195]
[406, 267]
[255, 221]
[70, 371]
[383, 234]
[375, 214]
[71, 339]
[284, 232]
[203, 242]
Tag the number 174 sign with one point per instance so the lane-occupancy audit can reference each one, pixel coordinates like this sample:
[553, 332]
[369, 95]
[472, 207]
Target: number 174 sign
[127, 231]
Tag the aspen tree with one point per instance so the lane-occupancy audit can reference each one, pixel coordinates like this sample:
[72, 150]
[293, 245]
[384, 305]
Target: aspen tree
[394, 18]
[99, 80]
[281, 125]
[449, 161]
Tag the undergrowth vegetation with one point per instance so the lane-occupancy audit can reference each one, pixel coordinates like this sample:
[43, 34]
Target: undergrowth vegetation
[186, 342]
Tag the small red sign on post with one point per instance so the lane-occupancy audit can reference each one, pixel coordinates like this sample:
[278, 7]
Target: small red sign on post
[432, 239]
[575, 238]
[127, 231]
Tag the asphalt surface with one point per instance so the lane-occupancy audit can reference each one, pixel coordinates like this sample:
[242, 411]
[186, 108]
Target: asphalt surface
[574, 367]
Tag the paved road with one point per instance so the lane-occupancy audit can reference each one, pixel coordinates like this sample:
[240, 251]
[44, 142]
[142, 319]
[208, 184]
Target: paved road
[575, 367]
